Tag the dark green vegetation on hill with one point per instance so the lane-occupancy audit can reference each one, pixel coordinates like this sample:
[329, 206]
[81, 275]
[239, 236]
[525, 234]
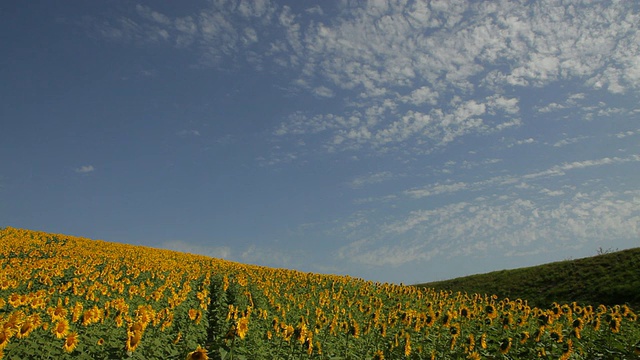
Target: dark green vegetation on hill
[609, 278]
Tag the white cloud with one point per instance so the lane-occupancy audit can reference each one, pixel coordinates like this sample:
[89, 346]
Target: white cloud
[437, 189]
[154, 16]
[271, 257]
[569, 141]
[369, 179]
[521, 142]
[405, 53]
[559, 170]
[552, 192]
[383, 255]
[422, 95]
[551, 107]
[517, 181]
[323, 91]
[502, 225]
[85, 169]
[624, 134]
[315, 10]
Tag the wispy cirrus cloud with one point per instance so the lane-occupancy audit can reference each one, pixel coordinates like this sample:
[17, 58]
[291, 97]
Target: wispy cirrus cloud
[569, 141]
[269, 256]
[373, 178]
[85, 169]
[514, 180]
[501, 224]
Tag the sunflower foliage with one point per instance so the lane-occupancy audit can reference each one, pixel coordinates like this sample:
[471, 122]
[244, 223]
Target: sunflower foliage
[64, 297]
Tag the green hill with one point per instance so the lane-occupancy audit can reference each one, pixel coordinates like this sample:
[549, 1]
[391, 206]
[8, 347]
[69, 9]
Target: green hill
[609, 278]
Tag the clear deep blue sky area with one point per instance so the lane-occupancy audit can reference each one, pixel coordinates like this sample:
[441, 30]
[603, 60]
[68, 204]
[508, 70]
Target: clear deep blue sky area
[402, 141]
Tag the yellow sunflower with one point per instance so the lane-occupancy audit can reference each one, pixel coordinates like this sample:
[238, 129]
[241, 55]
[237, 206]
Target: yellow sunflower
[379, 355]
[198, 354]
[27, 327]
[133, 340]
[70, 342]
[61, 328]
[242, 327]
[5, 336]
[505, 346]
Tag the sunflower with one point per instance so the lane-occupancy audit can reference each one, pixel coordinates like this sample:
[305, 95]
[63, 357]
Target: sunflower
[465, 312]
[454, 330]
[379, 355]
[119, 321]
[242, 327]
[474, 356]
[383, 329]
[70, 342]
[407, 345]
[198, 317]
[58, 312]
[354, 329]
[133, 340]
[76, 312]
[5, 336]
[300, 332]
[27, 327]
[61, 328]
[14, 321]
[308, 343]
[491, 311]
[446, 319]
[538, 333]
[506, 320]
[556, 335]
[614, 324]
[471, 342]
[567, 350]
[198, 354]
[505, 346]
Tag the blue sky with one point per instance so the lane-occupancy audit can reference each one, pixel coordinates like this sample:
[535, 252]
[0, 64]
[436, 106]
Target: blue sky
[398, 141]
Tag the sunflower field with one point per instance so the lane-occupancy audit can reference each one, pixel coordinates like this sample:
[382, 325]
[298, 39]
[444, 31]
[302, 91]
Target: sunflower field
[65, 297]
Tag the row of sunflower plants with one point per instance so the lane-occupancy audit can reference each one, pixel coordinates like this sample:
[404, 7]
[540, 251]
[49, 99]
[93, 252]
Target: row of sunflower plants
[291, 315]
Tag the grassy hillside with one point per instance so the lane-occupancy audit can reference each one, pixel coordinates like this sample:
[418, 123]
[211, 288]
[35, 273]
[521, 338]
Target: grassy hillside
[610, 278]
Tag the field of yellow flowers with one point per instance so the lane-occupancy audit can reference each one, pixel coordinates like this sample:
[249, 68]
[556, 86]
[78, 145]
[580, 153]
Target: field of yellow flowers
[65, 297]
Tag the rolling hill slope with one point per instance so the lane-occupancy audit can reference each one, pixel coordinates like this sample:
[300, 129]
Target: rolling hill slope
[610, 279]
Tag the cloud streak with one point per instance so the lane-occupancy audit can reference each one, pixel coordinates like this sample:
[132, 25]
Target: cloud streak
[85, 169]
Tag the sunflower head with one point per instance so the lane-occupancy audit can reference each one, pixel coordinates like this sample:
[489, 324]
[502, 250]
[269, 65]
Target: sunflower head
[70, 342]
[61, 328]
[242, 327]
[198, 354]
[505, 346]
